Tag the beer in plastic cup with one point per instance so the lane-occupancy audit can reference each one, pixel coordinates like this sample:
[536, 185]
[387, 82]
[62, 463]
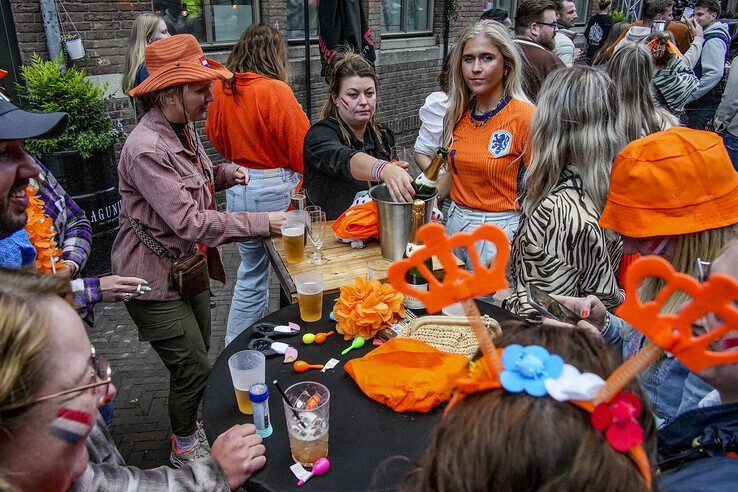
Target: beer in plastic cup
[293, 238]
[247, 369]
[310, 402]
[310, 295]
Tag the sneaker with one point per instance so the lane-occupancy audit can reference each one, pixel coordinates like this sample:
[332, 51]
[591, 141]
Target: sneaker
[181, 457]
[200, 434]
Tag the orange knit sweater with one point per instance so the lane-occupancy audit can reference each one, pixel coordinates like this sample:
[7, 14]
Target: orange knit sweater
[263, 127]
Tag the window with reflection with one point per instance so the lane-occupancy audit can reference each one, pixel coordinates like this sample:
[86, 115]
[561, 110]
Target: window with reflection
[210, 21]
[296, 19]
[406, 15]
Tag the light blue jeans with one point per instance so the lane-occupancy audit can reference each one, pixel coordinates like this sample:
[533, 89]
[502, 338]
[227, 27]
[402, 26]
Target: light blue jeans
[267, 191]
[465, 219]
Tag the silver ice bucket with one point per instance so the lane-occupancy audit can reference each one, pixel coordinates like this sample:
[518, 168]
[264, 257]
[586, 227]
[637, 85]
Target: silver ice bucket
[394, 222]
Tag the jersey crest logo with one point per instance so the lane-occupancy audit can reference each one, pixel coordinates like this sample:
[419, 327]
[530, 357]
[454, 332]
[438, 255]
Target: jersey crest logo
[500, 143]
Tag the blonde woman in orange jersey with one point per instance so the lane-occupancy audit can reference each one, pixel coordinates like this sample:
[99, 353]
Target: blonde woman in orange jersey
[487, 128]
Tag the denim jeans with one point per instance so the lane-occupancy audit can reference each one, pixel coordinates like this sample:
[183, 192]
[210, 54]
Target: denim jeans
[467, 220]
[731, 143]
[267, 191]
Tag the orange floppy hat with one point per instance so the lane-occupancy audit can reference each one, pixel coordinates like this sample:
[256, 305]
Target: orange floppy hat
[177, 60]
[678, 181]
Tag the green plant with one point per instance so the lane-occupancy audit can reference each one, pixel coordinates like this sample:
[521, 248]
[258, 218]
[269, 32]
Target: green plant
[618, 16]
[50, 87]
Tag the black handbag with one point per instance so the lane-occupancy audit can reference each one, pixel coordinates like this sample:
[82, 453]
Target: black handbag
[188, 274]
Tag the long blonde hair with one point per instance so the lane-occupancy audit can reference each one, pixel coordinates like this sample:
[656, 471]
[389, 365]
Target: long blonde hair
[706, 245]
[459, 93]
[631, 69]
[575, 123]
[143, 28]
[261, 49]
[344, 64]
[24, 323]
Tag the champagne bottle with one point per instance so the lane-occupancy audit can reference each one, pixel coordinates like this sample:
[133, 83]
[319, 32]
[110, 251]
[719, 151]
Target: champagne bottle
[425, 183]
[413, 276]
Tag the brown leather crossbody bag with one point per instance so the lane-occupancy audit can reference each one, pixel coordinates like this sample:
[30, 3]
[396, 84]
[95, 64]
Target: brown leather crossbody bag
[188, 274]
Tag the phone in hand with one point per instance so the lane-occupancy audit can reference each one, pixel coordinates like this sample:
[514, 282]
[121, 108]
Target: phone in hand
[688, 11]
[658, 26]
[549, 307]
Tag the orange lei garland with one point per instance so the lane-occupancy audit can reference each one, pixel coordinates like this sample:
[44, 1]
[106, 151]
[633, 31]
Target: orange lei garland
[40, 230]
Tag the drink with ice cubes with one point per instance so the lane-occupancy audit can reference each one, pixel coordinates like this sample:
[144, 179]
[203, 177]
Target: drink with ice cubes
[310, 402]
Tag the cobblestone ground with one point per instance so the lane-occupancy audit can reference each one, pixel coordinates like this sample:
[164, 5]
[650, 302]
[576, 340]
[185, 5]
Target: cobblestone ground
[141, 425]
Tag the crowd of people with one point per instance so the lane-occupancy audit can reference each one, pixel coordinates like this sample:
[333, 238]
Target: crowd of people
[585, 158]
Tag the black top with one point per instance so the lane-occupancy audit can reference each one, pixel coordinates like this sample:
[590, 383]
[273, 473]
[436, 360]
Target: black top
[596, 33]
[328, 181]
[363, 434]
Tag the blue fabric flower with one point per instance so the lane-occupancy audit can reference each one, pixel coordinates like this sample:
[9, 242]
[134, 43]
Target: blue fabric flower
[526, 368]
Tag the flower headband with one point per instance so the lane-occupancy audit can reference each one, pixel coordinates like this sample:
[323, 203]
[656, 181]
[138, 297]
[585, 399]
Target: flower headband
[537, 372]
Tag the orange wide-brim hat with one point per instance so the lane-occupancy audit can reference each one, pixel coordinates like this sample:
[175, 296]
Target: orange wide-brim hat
[678, 181]
[177, 60]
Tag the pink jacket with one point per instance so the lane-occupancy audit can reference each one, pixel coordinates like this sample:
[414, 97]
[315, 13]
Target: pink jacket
[162, 186]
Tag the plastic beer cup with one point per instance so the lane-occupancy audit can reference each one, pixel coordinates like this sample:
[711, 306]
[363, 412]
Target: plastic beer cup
[293, 238]
[247, 369]
[310, 402]
[310, 295]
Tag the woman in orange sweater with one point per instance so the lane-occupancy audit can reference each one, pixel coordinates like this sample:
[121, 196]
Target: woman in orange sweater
[256, 122]
[488, 128]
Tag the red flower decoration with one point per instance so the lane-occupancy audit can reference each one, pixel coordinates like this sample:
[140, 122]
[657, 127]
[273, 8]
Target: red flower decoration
[619, 420]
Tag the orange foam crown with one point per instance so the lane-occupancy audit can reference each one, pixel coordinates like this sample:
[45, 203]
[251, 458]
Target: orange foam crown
[458, 284]
[673, 332]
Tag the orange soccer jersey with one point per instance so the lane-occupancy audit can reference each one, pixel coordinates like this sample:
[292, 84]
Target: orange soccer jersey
[487, 160]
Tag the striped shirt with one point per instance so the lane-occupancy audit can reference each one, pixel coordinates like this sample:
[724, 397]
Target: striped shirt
[487, 159]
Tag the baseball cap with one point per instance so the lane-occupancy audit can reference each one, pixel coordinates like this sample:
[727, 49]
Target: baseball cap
[17, 124]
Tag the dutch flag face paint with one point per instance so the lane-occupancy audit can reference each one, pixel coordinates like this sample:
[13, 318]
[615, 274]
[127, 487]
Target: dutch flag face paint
[344, 102]
[71, 426]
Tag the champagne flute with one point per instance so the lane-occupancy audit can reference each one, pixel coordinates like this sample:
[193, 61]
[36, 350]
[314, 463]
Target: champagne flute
[316, 233]
[311, 208]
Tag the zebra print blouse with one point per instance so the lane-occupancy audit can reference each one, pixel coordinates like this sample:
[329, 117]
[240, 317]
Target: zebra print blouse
[561, 249]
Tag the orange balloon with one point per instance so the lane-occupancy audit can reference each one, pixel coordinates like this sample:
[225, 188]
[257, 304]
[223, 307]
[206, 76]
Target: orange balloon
[302, 366]
[320, 337]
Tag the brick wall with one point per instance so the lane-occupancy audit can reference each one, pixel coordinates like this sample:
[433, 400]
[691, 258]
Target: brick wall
[407, 69]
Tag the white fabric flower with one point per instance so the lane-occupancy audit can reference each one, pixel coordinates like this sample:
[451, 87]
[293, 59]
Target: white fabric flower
[573, 385]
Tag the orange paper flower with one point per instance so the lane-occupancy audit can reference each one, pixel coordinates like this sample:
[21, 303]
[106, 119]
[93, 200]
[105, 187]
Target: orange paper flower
[365, 307]
[40, 230]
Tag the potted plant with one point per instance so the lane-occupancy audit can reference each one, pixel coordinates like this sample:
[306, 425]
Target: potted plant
[83, 158]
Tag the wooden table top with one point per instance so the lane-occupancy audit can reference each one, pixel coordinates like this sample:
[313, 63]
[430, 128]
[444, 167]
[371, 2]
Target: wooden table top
[342, 262]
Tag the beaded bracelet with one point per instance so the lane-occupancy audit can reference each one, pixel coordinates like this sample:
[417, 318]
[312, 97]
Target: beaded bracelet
[373, 171]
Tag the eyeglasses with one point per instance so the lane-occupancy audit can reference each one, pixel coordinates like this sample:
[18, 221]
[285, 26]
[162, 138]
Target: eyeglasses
[102, 373]
[552, 25]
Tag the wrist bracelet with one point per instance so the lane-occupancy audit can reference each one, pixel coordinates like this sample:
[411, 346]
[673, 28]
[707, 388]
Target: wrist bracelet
[373, 170]
[380, 169]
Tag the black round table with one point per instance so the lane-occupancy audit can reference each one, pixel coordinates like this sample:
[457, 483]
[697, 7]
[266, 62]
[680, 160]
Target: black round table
[363, 433]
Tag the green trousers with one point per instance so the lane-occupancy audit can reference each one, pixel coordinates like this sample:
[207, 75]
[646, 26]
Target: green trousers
[179, 331]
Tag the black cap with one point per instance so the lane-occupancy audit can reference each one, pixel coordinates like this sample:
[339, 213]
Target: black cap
[17, 124]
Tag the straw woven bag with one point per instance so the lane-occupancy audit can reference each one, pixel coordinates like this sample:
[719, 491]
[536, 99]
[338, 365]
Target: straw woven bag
[448, 333]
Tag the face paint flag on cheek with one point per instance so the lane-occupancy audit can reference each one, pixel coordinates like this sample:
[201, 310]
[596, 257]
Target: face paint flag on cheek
[71, 426]
[344, 102]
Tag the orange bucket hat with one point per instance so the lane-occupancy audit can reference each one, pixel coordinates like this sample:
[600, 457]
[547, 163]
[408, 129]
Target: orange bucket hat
[177, 60]
[678, 181]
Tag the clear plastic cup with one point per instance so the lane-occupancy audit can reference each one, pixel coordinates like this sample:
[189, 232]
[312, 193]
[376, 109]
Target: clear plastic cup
[247, 369]
[309, 404]
[310, 295]
[293, 238]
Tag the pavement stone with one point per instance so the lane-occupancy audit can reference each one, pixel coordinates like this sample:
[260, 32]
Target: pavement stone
[141, 425]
